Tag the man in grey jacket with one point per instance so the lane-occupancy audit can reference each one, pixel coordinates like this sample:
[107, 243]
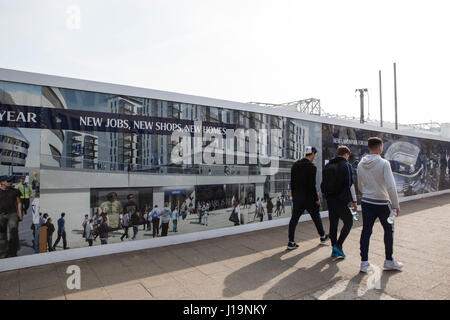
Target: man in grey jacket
[379, 195]
[165, 215]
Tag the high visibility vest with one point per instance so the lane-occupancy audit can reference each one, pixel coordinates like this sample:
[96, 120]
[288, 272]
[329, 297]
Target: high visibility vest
[26, 192]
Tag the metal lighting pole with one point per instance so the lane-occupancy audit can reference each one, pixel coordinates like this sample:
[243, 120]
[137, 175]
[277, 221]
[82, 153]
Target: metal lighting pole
[395, 95]
[361, 101]
[381, 101]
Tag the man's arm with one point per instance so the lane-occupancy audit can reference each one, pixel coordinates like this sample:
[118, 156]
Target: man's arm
[358, 176]
[19, 208]
[313, 183]
[390, 185]
[293, 185]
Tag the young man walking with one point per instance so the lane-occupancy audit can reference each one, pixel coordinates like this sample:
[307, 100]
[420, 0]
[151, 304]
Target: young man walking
[305, 196]
[339, 191]
[379, 195]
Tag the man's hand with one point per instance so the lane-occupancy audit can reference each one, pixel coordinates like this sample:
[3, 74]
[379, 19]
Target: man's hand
[318, 202]
[398, 211]
[19, 214]
[355, 207]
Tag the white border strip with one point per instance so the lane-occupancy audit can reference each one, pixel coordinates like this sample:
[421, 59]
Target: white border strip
[100, 250]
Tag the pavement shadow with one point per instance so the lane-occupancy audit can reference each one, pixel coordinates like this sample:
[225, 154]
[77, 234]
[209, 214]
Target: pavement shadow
[321, 274]
[261, 272]
[355, 289]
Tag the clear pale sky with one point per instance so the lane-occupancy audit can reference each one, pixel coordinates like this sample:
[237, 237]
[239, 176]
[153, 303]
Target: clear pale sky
[247, 50]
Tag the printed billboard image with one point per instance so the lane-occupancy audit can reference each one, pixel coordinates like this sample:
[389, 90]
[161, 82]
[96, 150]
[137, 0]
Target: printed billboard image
[101, 163]
[419, 165]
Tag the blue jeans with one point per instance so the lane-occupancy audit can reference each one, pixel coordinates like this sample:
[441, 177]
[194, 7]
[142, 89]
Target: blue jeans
[104, 241]
[174, 223]
[135, 231]
[36, 238]
[370, 212]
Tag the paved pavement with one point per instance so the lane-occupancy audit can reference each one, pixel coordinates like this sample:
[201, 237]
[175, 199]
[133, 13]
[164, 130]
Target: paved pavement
[256, 265]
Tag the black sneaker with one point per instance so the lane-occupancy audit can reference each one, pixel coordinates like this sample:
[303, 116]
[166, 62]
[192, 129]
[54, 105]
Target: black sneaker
[292, 246]
[324, 239]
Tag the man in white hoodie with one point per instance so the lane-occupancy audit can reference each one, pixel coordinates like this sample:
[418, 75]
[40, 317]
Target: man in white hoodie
[379, 195]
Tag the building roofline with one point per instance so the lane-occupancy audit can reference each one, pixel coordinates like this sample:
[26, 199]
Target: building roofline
[117, 89]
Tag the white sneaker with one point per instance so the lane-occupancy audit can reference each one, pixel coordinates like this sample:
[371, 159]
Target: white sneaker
[366, 266]
[393, 265]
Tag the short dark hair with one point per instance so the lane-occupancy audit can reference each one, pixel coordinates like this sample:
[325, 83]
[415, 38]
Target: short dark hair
[374, 142]
[343, 150]
[129, 196]
[63, 214]
[110, 195]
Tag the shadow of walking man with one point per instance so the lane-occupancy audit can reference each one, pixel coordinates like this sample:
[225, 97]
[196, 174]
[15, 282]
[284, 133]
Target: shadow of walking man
[262, 271]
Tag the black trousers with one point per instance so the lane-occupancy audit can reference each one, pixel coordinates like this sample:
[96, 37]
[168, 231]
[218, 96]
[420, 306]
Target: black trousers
[25, 205]
[301, 204]
[164, 229]
[338, 209]
[63, 236]
[125, 233]
[155, 227]
[49, 243]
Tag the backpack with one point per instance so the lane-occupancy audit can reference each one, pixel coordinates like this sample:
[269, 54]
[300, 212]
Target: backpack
[135, 219]
[234, 217]
[331, 180]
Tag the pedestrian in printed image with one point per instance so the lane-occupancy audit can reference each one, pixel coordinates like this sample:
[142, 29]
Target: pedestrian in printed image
[103, 230]
[26, 192]
[235, 213]
[135, 223]
[283, 203]
[36, 215]
[305, 196]
[112, 208]
[61, 232]
[165, 216]
[261, 210]
[90, 232]
[147, 223]
[175, 215]
[84, 224]
[277, 211]
[239, 213]
[205, 215]
[10, 216]
[50, 231]
[338, 189]
[269, 208]
[379, 195]
[184, 212]
[155, 221]
[125, 225]
[256, 209]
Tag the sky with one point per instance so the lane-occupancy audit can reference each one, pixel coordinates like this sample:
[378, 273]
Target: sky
[247, 50]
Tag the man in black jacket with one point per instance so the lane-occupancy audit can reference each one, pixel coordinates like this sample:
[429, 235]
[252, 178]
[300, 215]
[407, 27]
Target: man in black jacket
[339, 200]
[305, 196]
[50, 230]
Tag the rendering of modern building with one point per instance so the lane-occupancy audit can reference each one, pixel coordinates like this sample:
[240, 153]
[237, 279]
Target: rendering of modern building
[13, 147]
[188, 151]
